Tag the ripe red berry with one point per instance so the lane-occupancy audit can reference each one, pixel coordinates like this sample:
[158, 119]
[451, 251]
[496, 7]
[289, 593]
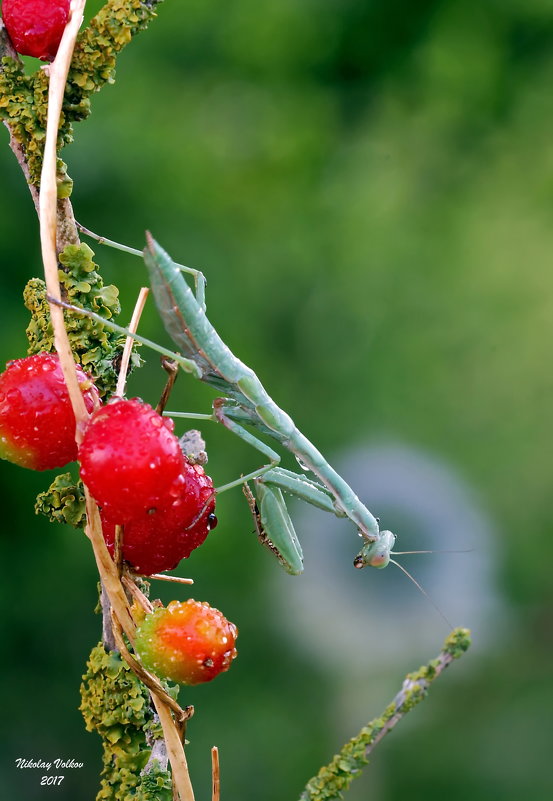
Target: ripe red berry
[131, 461]
[158, 539]
[37, 424]
[189, 642]
[36, 26]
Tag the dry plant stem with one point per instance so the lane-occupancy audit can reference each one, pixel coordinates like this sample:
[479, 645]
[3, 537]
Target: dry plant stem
[129, 342]
[107, 629]
[118, 549]
[48, 209]
[151, 682]
[215, 775]
[107, 569]
[176, 579]
[48, 215]
[181, 777]
[122, 613]
[172, 727]
[172, 370]
[137, 594]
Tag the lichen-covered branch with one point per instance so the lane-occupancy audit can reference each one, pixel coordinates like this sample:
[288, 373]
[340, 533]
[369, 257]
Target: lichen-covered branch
[332, 781]
[24, 98]
[116, 705]
[97, 349]
[36, 109]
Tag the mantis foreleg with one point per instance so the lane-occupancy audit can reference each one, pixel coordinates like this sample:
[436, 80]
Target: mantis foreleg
[273, 526]
[301, 487]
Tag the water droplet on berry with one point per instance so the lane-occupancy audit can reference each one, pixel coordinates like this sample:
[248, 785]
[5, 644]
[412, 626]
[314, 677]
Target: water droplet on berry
[211, 522]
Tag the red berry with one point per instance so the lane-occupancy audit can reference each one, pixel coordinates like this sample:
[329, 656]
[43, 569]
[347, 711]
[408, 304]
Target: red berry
[36, 26]
[37, 424]
[189, 642]
[157, 540]
[131, 461]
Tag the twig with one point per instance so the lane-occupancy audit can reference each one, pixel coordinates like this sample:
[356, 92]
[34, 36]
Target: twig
[107, 629]
[129, 342]
[147, 678]
[175, 750]
[136, 593]
[7, 49]
[176, 579]
[334, 779]
[172, 369]
[158, 753]
[48, 209]
[118, 549]
[54, 237]
[215, 775]
[107, 568]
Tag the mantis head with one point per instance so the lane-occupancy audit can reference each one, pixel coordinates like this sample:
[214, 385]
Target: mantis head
[377, 553]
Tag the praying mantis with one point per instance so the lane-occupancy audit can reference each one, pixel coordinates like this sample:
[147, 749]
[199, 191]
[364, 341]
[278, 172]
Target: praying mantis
[245, 404]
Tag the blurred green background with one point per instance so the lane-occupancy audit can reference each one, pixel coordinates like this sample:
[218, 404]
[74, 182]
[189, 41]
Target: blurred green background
[369, 188]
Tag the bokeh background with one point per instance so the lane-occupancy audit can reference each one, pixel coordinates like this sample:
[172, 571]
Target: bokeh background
[369, 188]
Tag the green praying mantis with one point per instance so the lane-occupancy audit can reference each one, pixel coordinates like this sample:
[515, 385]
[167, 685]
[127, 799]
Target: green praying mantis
[245, 404]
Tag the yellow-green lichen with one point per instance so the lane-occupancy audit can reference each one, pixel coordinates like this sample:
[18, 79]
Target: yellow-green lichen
[63, 501]
[332, 781]
[95, 348]
[116, 705]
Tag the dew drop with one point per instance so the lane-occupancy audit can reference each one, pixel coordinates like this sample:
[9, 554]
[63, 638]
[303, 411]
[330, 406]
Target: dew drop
[302, 464]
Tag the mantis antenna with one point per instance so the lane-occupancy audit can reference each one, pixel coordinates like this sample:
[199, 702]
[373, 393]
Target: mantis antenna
[421, 588]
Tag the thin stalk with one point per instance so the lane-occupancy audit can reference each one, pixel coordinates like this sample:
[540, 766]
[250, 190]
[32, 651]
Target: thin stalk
[176, 579]
[215, 775]
[129, 342]
[334, 779]
[58, 71]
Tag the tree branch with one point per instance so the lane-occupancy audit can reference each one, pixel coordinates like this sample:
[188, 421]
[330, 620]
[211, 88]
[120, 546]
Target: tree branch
[334, 779]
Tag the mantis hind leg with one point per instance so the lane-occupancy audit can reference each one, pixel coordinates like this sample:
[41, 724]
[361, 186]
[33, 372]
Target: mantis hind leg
[199, 277]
